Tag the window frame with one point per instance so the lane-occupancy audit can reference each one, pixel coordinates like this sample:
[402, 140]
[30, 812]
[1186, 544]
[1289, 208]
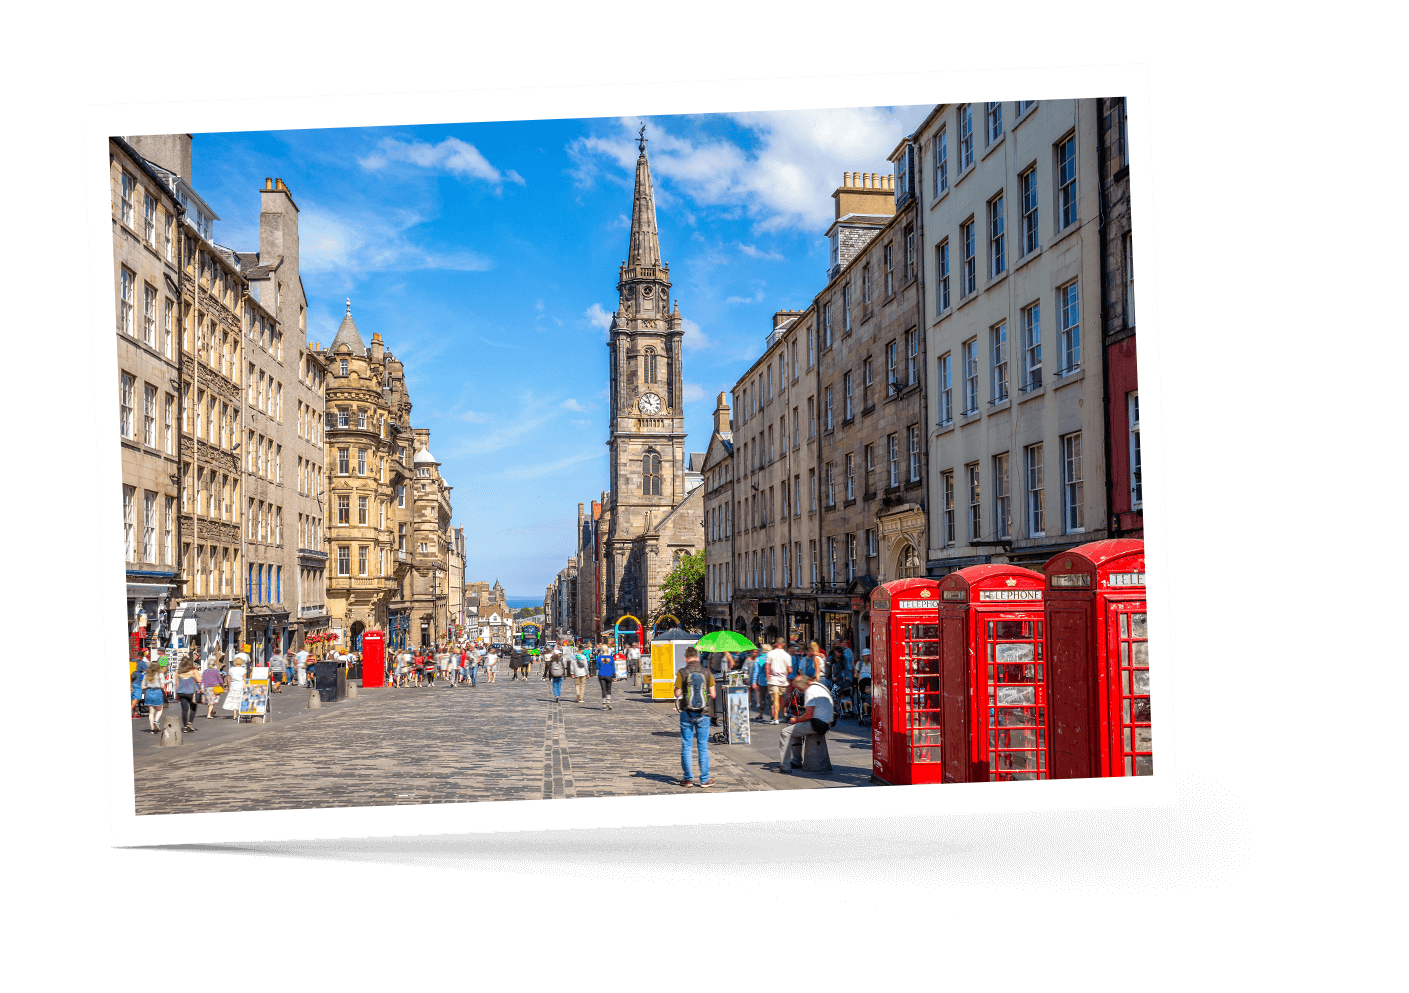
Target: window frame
[998, 362]
[944, 375]
[1073, 485]
[1036, 491]
[997, 238]
[1002, 496]
[1064, 187]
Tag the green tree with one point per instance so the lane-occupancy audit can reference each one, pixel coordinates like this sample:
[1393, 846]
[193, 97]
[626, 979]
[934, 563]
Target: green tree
[683, 593]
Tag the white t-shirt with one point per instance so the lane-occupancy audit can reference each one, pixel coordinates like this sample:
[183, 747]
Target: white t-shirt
[820, 701]
[779, 663]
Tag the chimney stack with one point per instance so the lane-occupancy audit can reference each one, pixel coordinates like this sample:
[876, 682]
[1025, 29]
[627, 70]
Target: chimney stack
[171, 152]
[722, 423]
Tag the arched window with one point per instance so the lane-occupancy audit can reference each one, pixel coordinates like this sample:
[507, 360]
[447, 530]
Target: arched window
[650, 365]
[650, 473]
[907, 563]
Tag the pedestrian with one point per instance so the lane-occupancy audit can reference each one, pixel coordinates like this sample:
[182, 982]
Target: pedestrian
[577, 669]
[154, 696]
[759, 670]
[633, 662]
[553, 670]
[779, 662]
[187, 688]
[606, 675]
[694, 689]
[815, 718]
[302, 666]
[137, 675]
[212, 685]
[818, 658]
[491, 661]
[471, 664]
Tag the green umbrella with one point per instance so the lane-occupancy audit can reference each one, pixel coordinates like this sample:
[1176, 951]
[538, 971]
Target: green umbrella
[724, 641]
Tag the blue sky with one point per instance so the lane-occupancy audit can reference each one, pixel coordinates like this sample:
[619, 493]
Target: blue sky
[486, 256]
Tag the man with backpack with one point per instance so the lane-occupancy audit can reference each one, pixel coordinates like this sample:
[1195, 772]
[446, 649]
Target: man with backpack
[694, 689]
[553, 669]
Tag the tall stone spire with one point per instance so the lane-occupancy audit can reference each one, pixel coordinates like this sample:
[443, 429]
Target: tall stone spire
[645, 242]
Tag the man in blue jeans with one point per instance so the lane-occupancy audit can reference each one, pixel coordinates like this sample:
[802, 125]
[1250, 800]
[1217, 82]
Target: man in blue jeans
[694, 689]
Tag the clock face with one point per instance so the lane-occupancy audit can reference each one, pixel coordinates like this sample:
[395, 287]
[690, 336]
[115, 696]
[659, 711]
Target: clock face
[650, 404]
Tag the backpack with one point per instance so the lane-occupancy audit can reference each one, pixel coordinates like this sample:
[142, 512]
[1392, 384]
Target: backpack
[555, 668]
[696, 691]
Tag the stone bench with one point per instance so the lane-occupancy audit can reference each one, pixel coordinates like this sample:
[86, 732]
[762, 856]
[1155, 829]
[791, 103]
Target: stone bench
[814, 756]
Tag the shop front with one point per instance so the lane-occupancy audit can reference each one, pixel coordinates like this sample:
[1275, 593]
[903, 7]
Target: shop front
[206, 625]
[835, 620]
[801, 619]
[398, 628]
[149, 596]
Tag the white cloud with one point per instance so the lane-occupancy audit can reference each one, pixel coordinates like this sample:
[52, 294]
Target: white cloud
[694, 391]
[582, 423]
[373, 241]
[571, 404]
[784, 180]
[754, 252]
[694, 339]
[459, 158]
[598, 318]
[474, 417]
[756, 298]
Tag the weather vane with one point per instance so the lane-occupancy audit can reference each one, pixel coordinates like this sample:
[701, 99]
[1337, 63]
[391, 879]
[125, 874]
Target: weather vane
[642, 138]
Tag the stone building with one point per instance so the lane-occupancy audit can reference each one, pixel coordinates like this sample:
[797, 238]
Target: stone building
[871, 419]
[771, 464]
[370, 509]
[209, 315]
[717, 469]
[591, 607]
[1123, 479]
[285, 404]
[651, 516]
[1011, 215]
[147, 279]
[455, 573]
[488, 608]
[425, 595]
[561, 606]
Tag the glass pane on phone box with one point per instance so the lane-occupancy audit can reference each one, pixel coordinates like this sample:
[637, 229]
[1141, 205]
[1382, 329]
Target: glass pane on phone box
[1144, 765]
[1125, 682]
[1124, 652]
[991, 744]
[1137, 626]
[1010, 696]
[1021, 652]
[1129, 766]
[1013, 717]
[1125, 625]
[1140, 653]
[927, 650]
[927, 755]
[990, 630]
[1017, 738]
[1125, 711]
[928, 632]
[927, 718]
[1125, 734]
[1140, 710]
[925, 737]
[1140, 680]
[1144, 739]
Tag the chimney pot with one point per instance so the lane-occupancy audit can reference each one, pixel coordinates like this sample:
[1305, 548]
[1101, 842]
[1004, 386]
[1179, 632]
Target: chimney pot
[846, 179]
[268, 183]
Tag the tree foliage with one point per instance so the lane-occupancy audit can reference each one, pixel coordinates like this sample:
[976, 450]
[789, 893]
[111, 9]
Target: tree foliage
[683, 593]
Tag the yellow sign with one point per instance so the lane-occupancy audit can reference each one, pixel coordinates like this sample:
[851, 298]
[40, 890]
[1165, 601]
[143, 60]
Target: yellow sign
[663, 672]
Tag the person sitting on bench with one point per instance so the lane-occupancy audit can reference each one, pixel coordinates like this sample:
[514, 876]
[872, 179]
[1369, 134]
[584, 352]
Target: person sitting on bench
[816, 718]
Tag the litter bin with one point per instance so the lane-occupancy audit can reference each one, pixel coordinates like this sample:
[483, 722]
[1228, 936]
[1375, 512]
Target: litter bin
[331, 679]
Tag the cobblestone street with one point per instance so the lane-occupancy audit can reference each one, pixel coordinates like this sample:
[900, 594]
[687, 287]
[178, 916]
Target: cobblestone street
[500, 741]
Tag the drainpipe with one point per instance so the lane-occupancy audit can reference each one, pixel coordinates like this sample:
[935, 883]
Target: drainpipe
[1112, 521]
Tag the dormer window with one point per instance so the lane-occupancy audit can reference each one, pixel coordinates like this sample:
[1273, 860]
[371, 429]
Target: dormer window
[836, 248]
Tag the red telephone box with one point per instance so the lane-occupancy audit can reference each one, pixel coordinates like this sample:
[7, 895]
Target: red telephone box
[958, 678]
[995, 675]
[373, 659]
[1099, 651]
[905, 691]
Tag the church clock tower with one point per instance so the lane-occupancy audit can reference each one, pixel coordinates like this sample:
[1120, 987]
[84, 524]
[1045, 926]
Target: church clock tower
[646, 431]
